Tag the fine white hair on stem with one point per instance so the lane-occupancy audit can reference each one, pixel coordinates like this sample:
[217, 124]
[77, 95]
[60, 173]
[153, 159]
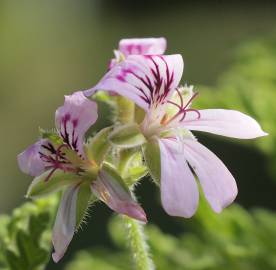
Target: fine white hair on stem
[138, 244]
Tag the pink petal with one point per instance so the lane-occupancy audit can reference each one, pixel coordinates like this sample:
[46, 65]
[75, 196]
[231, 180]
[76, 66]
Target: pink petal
[144, 46]
[218, 184]
[224, 122]
[179, 191]
[143, 79]
[74, 118]
[64, 227]
[117, 197]
[30, 162]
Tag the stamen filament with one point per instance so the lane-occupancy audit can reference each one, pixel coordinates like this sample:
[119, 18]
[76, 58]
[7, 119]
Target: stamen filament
[182, 109]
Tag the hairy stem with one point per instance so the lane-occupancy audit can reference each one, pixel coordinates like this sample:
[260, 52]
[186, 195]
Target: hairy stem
[138, 244]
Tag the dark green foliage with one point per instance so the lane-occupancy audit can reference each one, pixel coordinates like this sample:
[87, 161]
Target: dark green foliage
[25, 236]
[234, 239]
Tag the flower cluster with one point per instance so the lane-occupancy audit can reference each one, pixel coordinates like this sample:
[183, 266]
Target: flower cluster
[156, 139]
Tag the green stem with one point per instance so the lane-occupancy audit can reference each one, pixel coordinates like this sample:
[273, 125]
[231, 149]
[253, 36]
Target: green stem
[138, 244]
[136, 235]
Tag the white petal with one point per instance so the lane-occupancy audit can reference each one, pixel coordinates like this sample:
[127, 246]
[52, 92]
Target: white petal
[179, 191]
[218, 184]
[224, 122]
[65, 223]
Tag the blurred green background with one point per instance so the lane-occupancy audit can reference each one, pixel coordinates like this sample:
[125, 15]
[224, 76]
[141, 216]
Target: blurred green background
[52, 48]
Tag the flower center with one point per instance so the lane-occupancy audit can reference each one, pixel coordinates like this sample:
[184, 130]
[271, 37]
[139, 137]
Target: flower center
[56, 158]
[183, 109]
[159, 120]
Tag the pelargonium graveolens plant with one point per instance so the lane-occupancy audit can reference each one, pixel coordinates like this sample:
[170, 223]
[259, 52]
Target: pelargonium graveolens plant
[159, 132]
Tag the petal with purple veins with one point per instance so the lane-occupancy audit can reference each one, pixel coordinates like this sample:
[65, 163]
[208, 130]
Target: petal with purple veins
[146, 80]
[74, 118]
[219, 186]
[179, 191]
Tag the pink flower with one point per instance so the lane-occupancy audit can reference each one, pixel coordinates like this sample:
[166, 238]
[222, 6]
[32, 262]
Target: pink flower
[72, 121]
[152, 83]
[145, 46]
[142, 46]
[60, 162]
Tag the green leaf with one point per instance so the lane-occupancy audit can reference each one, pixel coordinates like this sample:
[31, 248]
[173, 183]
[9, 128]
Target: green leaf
[57, 181]
[14, 261]
[235, 239]
[127, 136]
[97, 147]
[38, 223]
[25, 236]
[151, 154]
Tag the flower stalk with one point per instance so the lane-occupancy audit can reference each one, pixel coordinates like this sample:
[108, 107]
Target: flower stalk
[138, 244]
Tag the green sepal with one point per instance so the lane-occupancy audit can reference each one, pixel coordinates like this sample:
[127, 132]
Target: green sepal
[126, 157]
[39, 187]
[52, 136]
[131, 166]
[113, 176]
[139, 114]
[85, 198]
[135, 174]
[98, 146]
[127, 136]
[73, 157]
[151, 152]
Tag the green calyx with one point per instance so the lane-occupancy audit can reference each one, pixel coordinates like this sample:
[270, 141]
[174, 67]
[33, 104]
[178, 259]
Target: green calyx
[131, 166]
[151, 153]
[52, 136]
[59, 179]
[84, 200]
[127, 136]
[97, 147]
[113, 177]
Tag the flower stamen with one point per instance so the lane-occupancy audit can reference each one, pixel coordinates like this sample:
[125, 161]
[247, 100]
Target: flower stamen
[59, 161]
[182, 110]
